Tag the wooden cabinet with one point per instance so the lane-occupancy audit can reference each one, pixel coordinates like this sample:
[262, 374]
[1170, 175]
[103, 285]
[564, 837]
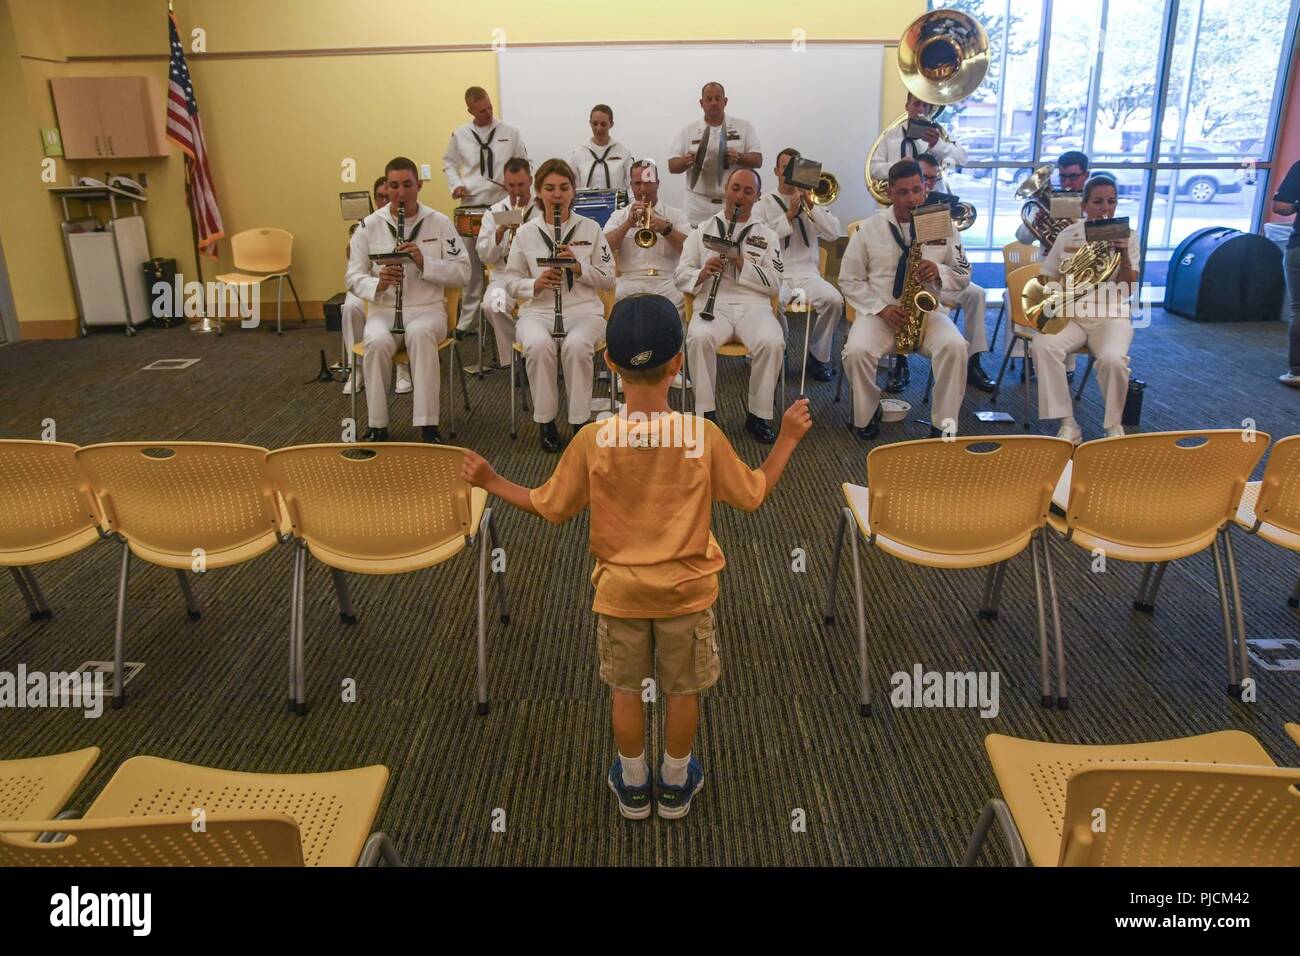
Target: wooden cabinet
[109, 116]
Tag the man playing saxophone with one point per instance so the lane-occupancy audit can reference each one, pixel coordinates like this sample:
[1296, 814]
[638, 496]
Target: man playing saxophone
[873, 276]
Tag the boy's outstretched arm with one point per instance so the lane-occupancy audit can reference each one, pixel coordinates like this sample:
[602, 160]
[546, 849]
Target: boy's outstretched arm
[794, 425]
[476, 470]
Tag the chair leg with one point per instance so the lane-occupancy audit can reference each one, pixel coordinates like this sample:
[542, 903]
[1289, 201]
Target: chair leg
[829, 617]
[191, 604]
[300, 636]
[1294, 599]
[513, 366]
[1029, 378]
[1087, 373]
[279, 295]
[929, 385]
[460, 370]
[353, 371]
[1243, 655]
[999, 811]
[293, 627]
[119, 636]
[1062, 690]
[864, 708]
[992, 591]
[379, 846]
[997, 326]
[1044, 671]
[490, 520]
[482, 619]
[1002, 370]
[302, 316]
[1146, 602]
[346, 614]
[1234, 688]
[37, 609]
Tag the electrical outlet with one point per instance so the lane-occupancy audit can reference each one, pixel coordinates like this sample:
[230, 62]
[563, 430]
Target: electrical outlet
[426, 171]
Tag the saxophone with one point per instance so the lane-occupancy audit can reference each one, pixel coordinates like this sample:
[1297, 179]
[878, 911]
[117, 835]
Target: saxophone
[917, 302]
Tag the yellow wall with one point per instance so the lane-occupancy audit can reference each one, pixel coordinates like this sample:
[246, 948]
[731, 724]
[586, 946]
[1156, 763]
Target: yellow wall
[279, 127]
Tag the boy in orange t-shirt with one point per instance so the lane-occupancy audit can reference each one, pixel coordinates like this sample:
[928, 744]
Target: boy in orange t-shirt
[650, 476]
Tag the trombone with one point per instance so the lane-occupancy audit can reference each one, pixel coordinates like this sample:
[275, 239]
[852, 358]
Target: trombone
[824, 193]
[942, 59]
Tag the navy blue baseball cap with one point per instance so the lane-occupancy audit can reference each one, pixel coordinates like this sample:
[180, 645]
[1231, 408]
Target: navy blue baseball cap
[644, 332]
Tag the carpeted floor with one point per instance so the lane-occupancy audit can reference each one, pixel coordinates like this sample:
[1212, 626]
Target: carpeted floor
[780, 732]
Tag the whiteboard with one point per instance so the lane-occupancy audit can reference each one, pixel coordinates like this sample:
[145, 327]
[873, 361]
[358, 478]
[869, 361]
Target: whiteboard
[823, 101]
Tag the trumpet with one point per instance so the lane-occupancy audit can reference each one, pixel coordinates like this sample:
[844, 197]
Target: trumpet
[645, 236]
[942, 59]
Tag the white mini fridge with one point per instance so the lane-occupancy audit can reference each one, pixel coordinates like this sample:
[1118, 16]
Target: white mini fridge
[108, 271]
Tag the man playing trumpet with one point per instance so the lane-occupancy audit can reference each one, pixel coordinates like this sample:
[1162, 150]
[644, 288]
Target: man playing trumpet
[647, 269]
[872, 276]
[801, 224]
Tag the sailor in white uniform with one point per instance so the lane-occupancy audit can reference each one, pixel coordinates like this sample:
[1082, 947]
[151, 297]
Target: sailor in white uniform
[801, 225]
[750, 280]
[579, 287]
[872, 275]
[493, 246]
[354, 315]
[647, 270]
[897, 145]
[601, 162]
[708, 149]
[437, 260]
[1100, 321]
[474, 162]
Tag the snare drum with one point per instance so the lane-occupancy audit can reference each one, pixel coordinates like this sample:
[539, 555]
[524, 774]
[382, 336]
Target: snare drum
[599, 204]
[469, 220]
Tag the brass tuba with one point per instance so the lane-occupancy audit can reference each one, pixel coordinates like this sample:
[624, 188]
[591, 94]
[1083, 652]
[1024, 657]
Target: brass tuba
[1036, 213]
[1047, 305]
[942, 58]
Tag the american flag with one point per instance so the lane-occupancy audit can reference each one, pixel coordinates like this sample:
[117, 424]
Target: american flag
[185, 129]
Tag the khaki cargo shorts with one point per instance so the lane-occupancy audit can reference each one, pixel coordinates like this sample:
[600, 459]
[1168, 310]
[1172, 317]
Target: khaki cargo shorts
[685, 649]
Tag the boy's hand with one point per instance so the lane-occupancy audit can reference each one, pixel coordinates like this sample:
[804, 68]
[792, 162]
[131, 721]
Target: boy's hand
[797, 420]
[476, 470]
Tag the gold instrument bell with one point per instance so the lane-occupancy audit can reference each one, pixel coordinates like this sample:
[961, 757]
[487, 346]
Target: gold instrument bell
[1036, 213]
[942, 59]
[645, 236]
[1047, 305]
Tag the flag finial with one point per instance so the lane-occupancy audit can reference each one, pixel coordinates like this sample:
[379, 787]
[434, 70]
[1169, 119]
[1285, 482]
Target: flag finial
[170, 8]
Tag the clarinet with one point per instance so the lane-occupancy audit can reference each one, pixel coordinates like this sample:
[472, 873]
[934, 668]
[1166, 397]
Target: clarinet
[398, 328]
[558, 330]
[707, 314]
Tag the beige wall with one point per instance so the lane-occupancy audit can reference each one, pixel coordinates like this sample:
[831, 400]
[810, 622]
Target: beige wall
[279, 126]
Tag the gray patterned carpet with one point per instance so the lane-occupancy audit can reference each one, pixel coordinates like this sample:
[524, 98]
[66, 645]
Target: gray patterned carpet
[780, 732]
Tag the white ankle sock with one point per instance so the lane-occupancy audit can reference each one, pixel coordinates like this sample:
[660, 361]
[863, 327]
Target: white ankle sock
[674, 769]
[635, 770]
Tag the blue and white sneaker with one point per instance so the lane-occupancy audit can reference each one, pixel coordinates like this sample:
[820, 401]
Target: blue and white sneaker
[633, 802]
[675, 802]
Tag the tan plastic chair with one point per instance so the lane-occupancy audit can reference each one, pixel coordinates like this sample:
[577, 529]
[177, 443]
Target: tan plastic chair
[37, 788]
[969, 502]
[180, 505]
[157, 812]
[451, 299]
[1014, 255]
[1211, 800]
[1270, 507]
[1293, 731]
[733, 349]
[259, 256]
[1023, 332]
[517, 356]
[46, 513]
[383, 508]
[1155, 498]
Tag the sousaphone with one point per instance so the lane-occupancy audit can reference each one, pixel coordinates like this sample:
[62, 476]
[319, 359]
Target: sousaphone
[942, 59]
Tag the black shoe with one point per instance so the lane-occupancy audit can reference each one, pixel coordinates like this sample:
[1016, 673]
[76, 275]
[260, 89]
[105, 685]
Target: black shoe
[430, 434]
[376, 434]
[759, 429]
[550, 438]
[871, 430]
[711, 416]
[900, 376]
[460, 334]
[819, 370]
[975, 375]
[1069, 375]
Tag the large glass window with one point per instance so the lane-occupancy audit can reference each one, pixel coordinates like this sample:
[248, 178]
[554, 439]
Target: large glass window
[1100, 91]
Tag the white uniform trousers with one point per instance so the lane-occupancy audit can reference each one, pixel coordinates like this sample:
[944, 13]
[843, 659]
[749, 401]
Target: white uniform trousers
[425, 326]
[971, 302]
[576, 351]
[746, 320]
[650, 285]
[826, 301]
[871, 338]
[697, 208]
[472, 294]
[1108, 341]
[499, 308]
[354, 324]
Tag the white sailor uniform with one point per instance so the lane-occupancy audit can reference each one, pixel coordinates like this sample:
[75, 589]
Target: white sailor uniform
[706, 181]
